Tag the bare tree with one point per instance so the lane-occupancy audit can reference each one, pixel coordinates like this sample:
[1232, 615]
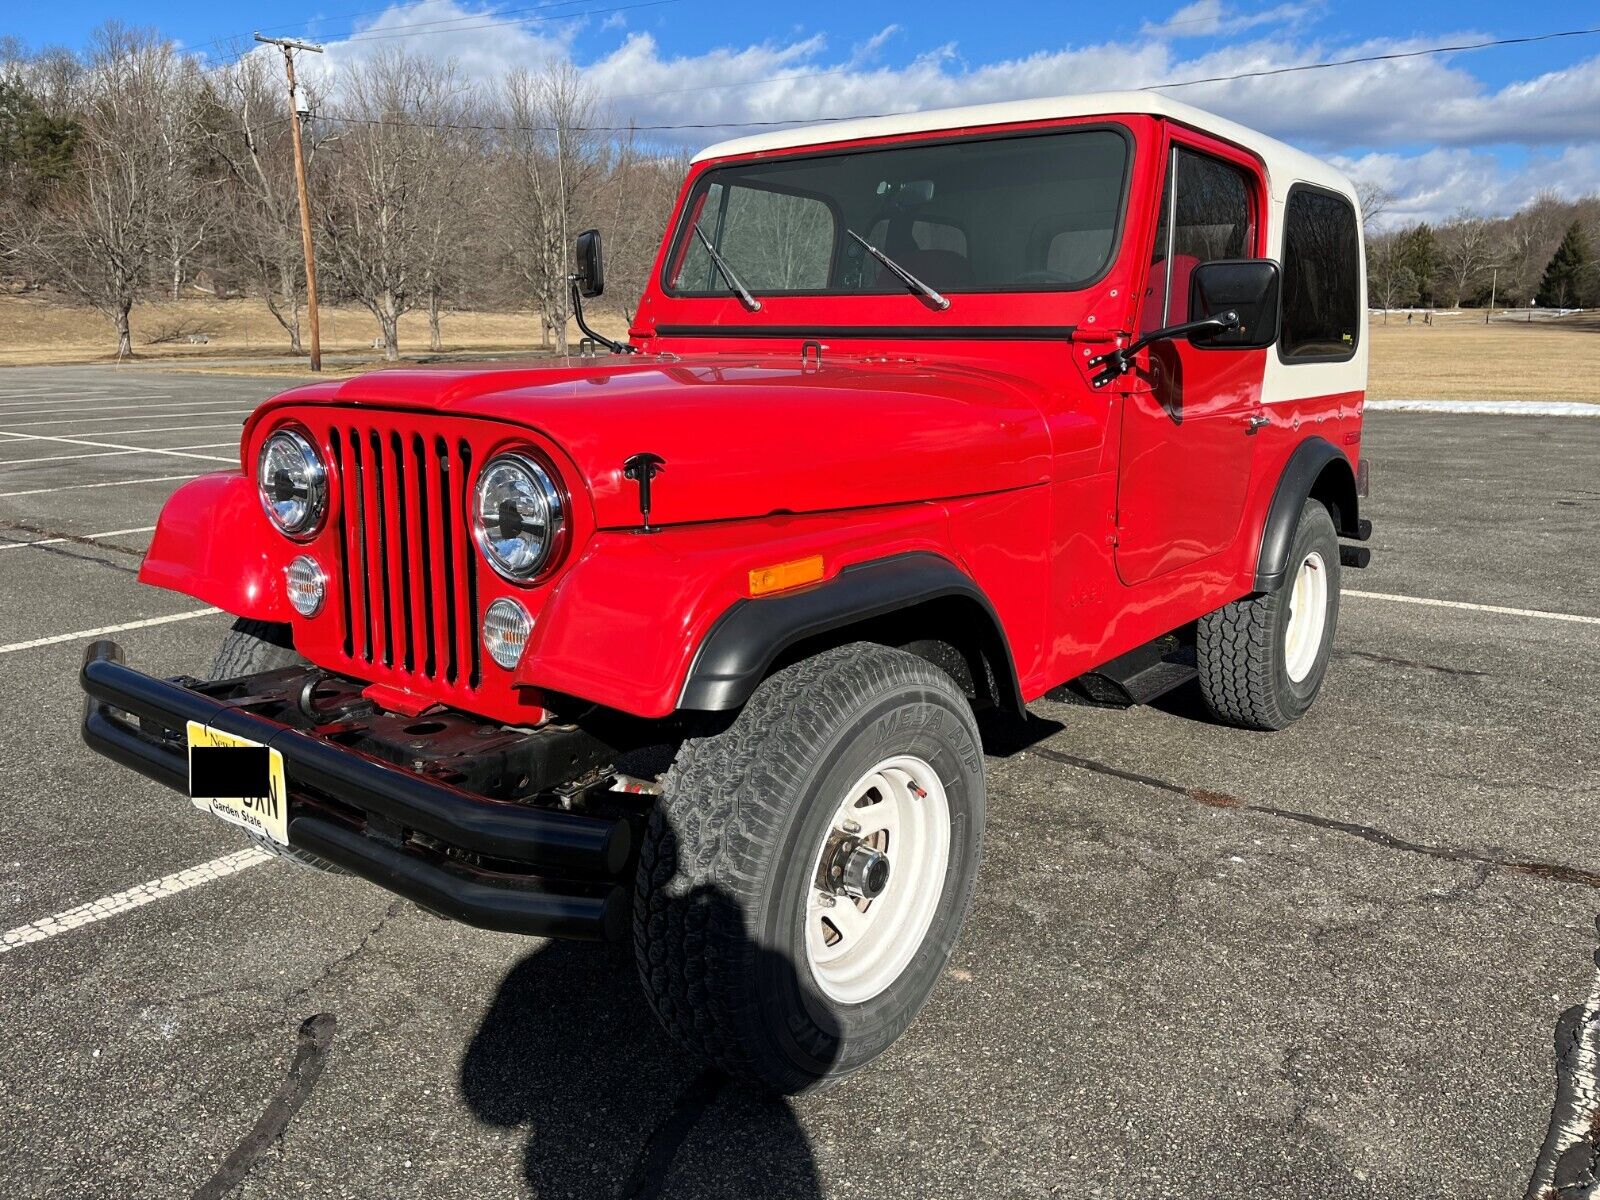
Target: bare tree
[550, 158]
[250, 137]
[185, 186]
[387, 178]
[1390, 279]
[98, 240]
[634, 201]
[1375, 200]
[1466, 248]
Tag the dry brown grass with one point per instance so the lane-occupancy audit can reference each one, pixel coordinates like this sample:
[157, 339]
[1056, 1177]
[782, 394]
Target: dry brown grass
[1461, 358]
[39, 331]
[1455, 358]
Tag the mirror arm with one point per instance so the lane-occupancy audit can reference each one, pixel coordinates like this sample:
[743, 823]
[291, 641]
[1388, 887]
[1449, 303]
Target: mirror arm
[1118, 363]
[583, 326]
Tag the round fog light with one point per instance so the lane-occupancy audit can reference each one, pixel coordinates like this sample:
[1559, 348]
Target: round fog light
[505, 632]
[307, 586]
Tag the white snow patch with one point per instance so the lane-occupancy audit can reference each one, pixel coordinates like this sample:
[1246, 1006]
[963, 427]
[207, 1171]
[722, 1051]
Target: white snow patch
[1502, 408]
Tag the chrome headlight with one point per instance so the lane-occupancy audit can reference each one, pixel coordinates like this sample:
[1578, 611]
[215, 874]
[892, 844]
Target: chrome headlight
[517, 516]
[293, 483]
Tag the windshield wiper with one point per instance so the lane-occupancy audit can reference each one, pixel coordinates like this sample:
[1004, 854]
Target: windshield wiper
[905, 276]
[728, 277]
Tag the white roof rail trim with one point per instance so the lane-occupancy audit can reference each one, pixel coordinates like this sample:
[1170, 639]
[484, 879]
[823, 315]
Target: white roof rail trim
[1285, 165]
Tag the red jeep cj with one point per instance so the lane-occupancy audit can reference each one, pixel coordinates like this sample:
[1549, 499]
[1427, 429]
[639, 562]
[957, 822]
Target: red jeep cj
[920, 416]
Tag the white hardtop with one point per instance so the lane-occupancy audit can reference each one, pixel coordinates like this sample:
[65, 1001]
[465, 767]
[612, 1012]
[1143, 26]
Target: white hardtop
[1285, 165]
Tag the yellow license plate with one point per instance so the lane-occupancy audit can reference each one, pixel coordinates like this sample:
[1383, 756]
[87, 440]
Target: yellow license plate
[266, 810]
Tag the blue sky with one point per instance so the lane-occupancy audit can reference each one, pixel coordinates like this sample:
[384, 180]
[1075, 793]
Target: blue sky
[1485, 129]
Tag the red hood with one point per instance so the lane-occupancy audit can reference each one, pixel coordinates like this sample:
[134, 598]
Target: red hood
[748, 436]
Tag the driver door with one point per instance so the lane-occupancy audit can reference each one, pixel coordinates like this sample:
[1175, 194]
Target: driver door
[1187, 444]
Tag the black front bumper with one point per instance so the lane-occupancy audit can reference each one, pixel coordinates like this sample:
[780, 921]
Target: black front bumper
[513, 866]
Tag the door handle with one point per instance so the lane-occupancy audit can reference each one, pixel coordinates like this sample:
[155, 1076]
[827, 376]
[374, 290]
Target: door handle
[1258, 421]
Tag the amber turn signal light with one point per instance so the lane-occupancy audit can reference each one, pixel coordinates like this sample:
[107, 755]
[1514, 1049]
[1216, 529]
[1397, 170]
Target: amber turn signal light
[779, 578]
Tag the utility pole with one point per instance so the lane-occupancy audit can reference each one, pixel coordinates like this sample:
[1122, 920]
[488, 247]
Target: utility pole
[1494, 282]
[289, 46]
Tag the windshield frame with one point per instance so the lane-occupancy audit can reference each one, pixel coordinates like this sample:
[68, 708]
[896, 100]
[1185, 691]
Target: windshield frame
[677, 247]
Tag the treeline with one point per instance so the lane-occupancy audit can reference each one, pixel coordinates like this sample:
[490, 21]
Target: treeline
[132, 171]
[1543, 254]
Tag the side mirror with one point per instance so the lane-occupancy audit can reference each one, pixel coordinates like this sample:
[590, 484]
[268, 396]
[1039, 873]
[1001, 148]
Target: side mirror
[591, 276]
[1246, 286]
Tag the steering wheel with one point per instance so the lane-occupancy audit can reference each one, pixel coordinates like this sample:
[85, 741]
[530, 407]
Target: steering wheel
[1043, 277]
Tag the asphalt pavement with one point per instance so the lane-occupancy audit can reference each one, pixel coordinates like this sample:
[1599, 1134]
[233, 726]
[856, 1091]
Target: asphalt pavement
[1326, 963]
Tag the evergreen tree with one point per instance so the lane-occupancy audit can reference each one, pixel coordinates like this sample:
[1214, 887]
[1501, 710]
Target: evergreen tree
[35, 148]
[1419, 253]
[1564, 276]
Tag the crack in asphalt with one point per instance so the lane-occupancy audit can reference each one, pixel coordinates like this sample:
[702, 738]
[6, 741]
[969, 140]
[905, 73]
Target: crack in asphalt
[76, 538]
[328, 971]
[1568, 1166]
[1554, 872]
[1417, 664]
[313, 1042]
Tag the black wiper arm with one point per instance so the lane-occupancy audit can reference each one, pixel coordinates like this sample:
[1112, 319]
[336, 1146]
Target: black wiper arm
[728, 277]
[905, 276]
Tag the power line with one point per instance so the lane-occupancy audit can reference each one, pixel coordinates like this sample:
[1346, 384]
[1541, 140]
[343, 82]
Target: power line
[1371, 58]
[706, 125]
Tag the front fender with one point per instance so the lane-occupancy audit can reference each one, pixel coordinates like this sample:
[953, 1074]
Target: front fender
[214, 542]
[624, 624]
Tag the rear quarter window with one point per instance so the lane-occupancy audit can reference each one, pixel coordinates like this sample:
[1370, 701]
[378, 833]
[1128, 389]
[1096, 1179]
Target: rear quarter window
[1321, 278]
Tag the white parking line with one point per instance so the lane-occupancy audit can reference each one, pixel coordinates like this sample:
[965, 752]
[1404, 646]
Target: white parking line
[134, 410]
[163, 416]
[131, 898]
[82, 634]
[5, 462]
[50, 392]
[120, 447]
[79, 538]
[87, 401]
[1488, 608]
[78, 487]
[131, 432]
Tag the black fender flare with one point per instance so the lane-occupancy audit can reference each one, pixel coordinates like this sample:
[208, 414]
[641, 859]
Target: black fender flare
[746, 639]
[1316, 468]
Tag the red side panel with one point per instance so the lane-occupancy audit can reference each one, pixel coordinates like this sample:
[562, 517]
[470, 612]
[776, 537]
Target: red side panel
[214, 542]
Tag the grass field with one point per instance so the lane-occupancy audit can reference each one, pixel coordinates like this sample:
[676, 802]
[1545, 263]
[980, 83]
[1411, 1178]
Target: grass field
[38, 332]
[1457, 357]
[1461, 358]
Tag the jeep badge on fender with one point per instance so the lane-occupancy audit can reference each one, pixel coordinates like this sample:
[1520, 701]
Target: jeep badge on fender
[686, 645]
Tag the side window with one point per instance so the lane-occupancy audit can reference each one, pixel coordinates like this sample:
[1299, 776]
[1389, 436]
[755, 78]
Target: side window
[1321, 294]
[774, 241]
[1205, 215]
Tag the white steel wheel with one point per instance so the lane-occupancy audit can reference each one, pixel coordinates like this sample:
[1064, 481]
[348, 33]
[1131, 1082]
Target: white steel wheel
[879, 874]
[1308, 617]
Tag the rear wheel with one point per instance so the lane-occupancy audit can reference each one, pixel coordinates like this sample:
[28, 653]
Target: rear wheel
[250, 648]
[807, 871]
[1262, 659]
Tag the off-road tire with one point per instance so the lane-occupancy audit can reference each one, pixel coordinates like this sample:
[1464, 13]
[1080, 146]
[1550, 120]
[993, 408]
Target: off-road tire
[1240, 647]
[250, 648]
[723, 876]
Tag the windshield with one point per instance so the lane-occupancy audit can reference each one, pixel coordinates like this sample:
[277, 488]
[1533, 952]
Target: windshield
[1026, 213]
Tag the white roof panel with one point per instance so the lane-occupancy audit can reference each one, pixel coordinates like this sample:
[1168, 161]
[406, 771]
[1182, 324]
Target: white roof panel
[1284, 163]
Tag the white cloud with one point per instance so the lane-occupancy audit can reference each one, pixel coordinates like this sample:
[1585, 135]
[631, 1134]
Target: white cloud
[1417, 118]
[1206, 18]
[1434, 185]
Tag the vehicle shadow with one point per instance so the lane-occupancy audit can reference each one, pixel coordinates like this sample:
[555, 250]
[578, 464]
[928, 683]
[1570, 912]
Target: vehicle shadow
[570, 1050]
